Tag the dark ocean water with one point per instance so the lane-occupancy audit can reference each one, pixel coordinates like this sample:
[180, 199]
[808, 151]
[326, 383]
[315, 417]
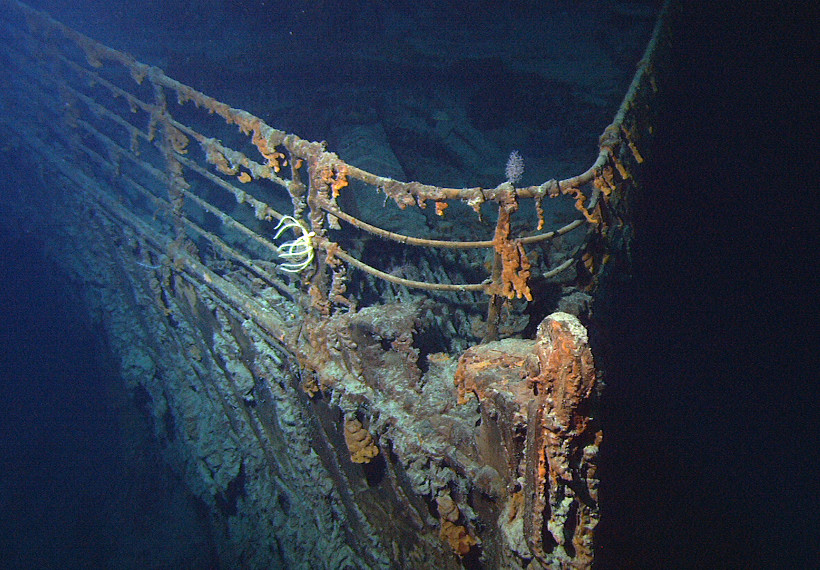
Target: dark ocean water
[711, 447]
[59, 444]
[81, 479]
[712, 421]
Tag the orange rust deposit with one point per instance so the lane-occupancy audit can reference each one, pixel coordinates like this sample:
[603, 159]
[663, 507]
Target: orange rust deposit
[580, 200]
[515, 272]
[335, 177]
[454, 534]
[457, 537]
[359, 442]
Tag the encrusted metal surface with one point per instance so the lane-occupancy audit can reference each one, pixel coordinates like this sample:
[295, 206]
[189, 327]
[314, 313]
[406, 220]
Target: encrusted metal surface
[327, 421]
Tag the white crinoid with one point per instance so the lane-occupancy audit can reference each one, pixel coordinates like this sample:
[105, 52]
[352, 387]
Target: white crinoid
[298, 254]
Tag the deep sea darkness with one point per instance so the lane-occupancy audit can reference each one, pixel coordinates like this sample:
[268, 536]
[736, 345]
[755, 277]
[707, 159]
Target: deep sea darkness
[711, 452]
[710, 457]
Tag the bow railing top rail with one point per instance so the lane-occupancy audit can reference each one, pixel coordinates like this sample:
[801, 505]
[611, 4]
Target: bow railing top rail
[131, 130]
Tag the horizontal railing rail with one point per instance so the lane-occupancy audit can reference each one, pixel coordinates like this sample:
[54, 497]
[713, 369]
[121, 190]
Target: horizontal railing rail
[124, 107]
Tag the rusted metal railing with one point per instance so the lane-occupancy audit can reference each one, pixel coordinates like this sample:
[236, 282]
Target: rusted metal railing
[122, 107]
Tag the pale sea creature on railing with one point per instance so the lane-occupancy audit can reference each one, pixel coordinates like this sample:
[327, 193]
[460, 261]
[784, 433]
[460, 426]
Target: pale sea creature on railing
[298, 254]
